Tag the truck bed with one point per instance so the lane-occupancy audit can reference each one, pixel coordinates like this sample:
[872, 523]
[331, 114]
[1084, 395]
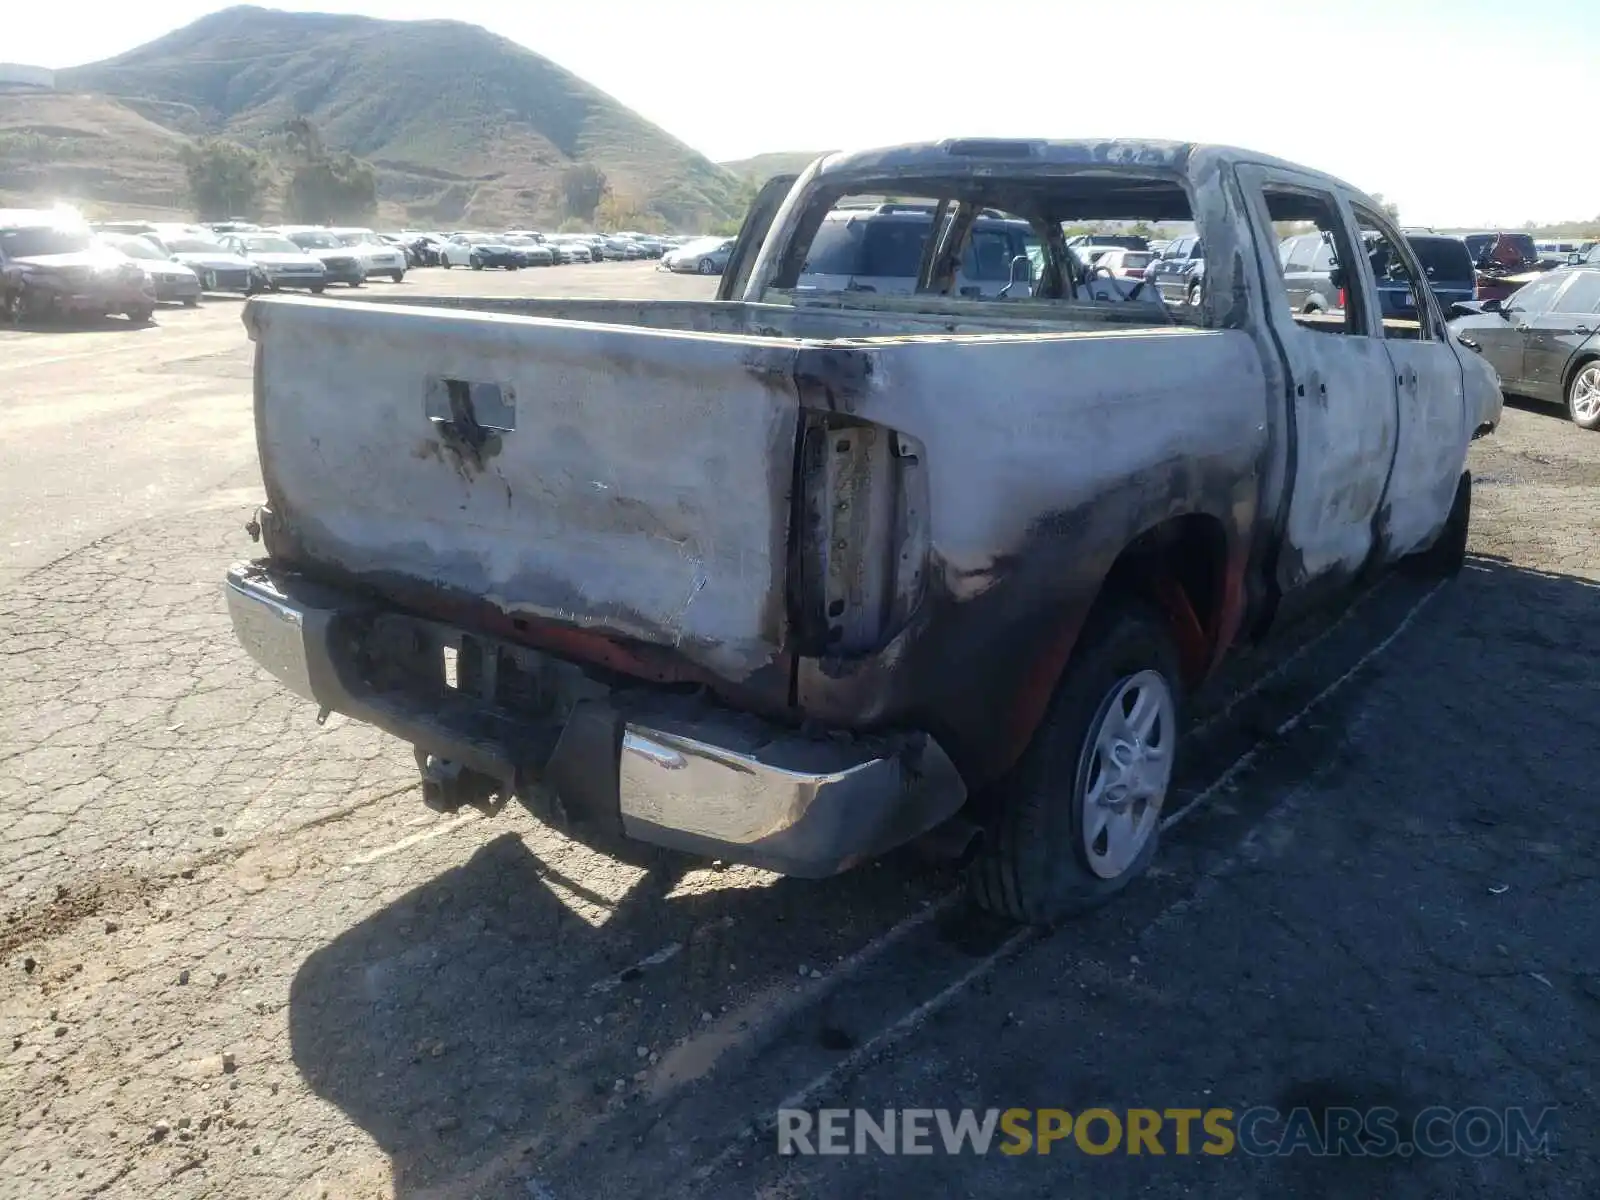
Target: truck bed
[619, 466]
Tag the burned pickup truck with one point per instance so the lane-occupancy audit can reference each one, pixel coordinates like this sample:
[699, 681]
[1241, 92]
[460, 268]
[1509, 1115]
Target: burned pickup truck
[794, 575]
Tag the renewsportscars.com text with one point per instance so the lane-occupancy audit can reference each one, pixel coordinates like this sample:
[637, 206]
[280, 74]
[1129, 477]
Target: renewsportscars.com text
[1435, 1132]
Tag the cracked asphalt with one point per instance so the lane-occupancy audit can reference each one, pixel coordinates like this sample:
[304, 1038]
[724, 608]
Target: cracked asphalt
[239, 958]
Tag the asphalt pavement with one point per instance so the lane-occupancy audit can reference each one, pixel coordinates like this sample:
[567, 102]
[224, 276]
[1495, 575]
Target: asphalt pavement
[241, 959]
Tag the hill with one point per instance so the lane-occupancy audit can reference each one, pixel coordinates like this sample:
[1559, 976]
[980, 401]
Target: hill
[778, 162]
[464, 126]
[55, 145]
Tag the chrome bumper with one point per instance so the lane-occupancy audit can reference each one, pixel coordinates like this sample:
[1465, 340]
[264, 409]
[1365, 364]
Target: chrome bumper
[668, 770]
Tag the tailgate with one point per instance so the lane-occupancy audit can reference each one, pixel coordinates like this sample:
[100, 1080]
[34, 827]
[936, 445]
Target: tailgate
[601, 476]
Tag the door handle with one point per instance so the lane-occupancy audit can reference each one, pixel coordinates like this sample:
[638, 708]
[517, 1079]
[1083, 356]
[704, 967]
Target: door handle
[1523, 328]
[1583, 329]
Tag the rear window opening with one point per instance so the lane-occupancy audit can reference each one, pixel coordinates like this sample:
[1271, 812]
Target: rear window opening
[1001, 241]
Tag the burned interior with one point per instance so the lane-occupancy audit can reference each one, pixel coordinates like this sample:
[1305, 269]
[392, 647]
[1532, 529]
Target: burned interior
[976, 236]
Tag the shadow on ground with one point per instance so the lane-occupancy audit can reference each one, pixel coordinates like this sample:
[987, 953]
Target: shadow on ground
[459, 1023]
[458, 1028]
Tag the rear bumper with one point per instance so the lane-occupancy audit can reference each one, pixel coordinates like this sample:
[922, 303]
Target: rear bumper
[671, 770]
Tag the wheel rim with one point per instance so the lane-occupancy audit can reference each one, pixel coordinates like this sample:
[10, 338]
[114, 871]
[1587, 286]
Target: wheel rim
[705, 266]
[1586, 393]
[1124, 771]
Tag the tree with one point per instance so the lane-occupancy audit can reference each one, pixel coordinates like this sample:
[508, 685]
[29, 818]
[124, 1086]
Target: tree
[583, 187]
[338, 189]
[1388, 206]
[623, 212]
[325, 188]
[225, 178]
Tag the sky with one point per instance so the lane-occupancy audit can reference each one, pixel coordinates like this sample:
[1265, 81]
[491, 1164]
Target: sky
[1462, 112]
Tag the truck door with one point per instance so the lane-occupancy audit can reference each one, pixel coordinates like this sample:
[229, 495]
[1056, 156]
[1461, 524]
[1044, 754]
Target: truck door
[1433, 428]
[1341, 391]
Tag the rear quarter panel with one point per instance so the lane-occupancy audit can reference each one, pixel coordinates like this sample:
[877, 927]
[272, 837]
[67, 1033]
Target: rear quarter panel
[1046, 456]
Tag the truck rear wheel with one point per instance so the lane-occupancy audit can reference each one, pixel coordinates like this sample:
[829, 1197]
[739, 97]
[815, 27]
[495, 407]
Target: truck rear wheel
[1445, 558]
[1078, 818]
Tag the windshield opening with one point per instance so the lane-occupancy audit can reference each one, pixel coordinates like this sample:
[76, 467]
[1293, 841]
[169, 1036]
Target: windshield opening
[135, 247]
[44, 239]
[311, 240]
[269, 245]
[194, 245]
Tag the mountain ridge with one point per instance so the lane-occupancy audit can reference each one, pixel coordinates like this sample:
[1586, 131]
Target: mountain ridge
[463, 125]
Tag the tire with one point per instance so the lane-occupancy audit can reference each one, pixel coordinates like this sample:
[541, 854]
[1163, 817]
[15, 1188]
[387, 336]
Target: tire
[1036, 865]
[1192, 297]
[444, 263]
[477, 263]
[1583, 395]
[355, 283]
[318, 288]
[1448, 554]
[397, 276]
[191, 302]
[141, 316]
[707, 267]
[513, 266]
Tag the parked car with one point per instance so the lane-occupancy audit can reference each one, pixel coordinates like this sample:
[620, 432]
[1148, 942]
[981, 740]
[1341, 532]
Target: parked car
[1556, 252]
[422, 247]
[284, 263]
[879, 248]
[340, 263]
[1124, 241]
[232, 226]
[1543, 340]
[1179, 273]
[1448, 267]
[708, 256]
[219, 268]
[378, 257]
[1503, 262]
[134, 227]
[479, 250]
[173, 282]
[572, 249]
[53, 266]
[1125, 264]
[968, 577]
[1308, 262]
[530, 252]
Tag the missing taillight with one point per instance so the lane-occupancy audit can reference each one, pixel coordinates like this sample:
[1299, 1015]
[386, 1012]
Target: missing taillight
[452, 676]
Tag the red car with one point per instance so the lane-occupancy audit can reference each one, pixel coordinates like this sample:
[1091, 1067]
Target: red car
[1503, 262]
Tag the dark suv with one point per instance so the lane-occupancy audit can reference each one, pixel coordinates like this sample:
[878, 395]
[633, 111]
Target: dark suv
[1180, 271]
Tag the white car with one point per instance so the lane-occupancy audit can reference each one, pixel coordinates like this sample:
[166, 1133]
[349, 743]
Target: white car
[1125, 264]
[379, 256]
[708, 256]
[284, 264]
[219, 268]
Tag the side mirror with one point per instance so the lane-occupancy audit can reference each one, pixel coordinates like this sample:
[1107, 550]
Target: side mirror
[1021, 269]
[1493, 306]
[1575, 258]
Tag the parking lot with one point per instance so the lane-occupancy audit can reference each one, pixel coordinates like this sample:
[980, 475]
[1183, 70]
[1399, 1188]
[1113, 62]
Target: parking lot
[241, 959]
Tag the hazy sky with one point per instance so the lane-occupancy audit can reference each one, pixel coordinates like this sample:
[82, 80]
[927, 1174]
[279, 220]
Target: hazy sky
[1463, 112]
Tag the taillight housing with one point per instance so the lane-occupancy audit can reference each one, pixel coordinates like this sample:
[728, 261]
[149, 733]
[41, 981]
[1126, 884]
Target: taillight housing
[1341, 297]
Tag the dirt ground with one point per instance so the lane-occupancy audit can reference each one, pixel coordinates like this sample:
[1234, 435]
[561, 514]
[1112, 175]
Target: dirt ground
[239, 958]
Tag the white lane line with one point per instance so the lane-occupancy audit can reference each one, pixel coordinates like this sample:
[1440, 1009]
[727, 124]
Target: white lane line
[908, 1024]
[1246, 760]
[1289, 660]
[883, 1040]
[405, 843]
[612, 982]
